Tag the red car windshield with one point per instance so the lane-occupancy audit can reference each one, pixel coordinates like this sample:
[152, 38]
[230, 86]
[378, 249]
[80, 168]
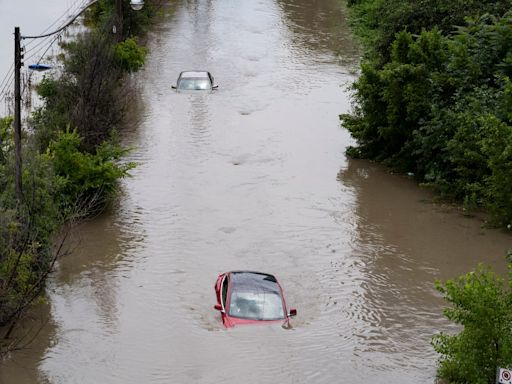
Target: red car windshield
[255, 296]
[256, 305]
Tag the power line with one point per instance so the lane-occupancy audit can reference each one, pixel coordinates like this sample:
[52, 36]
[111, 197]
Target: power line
[8, 75]
[64, 26]
[44, 41]
[50, 40]
[69, 11]
[47, 41]
[57, 37]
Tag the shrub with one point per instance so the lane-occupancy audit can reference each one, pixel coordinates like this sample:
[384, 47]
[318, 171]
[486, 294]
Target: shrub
[83, 177]
[481, 305]
[438, 104]
[130, 55]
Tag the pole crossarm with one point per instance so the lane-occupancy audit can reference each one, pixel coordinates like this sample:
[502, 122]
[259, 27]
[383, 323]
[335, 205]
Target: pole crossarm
[64, 27]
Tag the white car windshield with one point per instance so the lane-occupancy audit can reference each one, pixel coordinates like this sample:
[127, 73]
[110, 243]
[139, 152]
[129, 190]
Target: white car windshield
[259, 305]
[195, 84]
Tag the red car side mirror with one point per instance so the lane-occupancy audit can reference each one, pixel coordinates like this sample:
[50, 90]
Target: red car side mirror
[293, 312]
[218, 307]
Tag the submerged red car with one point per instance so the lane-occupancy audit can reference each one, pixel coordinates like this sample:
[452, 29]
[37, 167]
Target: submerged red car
[245, 297]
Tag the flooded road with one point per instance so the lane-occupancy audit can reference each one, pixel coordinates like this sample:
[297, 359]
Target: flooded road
[253, 177]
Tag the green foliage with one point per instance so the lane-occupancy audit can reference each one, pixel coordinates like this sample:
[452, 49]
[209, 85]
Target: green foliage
[71, 162]
[130, 55]
[497, 148]
[85, 96]
[6, 141]
[394, 100]
[20, 267]
[59, 98]
[481, 305]
[90, 178]
[26, 233]
[135, 23]
[435, 100]
[378, 21]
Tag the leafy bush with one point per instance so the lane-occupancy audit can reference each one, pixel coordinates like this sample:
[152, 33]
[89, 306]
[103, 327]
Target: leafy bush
[130, 55]
[26, 234]
[497, 148]
[71, 161]
[6, 142]
[394, 100]
[84, 177]
[481, 305]
[100, 16]
[438, 104]
[378, 21]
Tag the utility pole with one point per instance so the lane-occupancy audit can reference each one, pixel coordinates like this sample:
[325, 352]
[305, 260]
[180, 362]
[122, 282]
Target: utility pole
[119, 20]
[136, 5]
[17, 115]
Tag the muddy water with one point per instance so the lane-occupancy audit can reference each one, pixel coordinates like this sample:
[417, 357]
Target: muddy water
[253, 177]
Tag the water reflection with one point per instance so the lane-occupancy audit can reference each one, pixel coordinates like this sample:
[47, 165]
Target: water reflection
[401, 249]
[200, 118]
[441, 241]
[22, 366]
[317, 27]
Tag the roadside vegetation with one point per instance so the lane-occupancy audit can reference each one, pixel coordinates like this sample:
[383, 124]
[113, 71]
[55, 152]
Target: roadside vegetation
[434, 97]
[480, 303]
[72, 159]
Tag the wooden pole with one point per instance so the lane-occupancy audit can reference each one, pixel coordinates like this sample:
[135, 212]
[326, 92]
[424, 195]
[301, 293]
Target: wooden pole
[17, 115]
[119, 20]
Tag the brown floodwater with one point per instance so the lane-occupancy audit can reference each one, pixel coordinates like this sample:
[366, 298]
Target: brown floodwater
[253, 176]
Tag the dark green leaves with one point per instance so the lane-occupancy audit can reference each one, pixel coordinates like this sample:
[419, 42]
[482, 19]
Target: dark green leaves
[480, 303]
[435, 100]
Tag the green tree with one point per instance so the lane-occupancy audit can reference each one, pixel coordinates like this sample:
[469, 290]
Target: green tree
[480, 303]
[5, 137]
[393, 101]
[84, 178]
[378, 21]
[130, 55]
[436, 103]
[67, 172]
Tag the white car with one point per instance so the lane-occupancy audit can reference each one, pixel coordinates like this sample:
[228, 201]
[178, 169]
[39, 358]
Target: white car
[195, 81]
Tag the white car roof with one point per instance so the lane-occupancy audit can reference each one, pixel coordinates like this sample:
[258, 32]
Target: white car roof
[194, 74]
